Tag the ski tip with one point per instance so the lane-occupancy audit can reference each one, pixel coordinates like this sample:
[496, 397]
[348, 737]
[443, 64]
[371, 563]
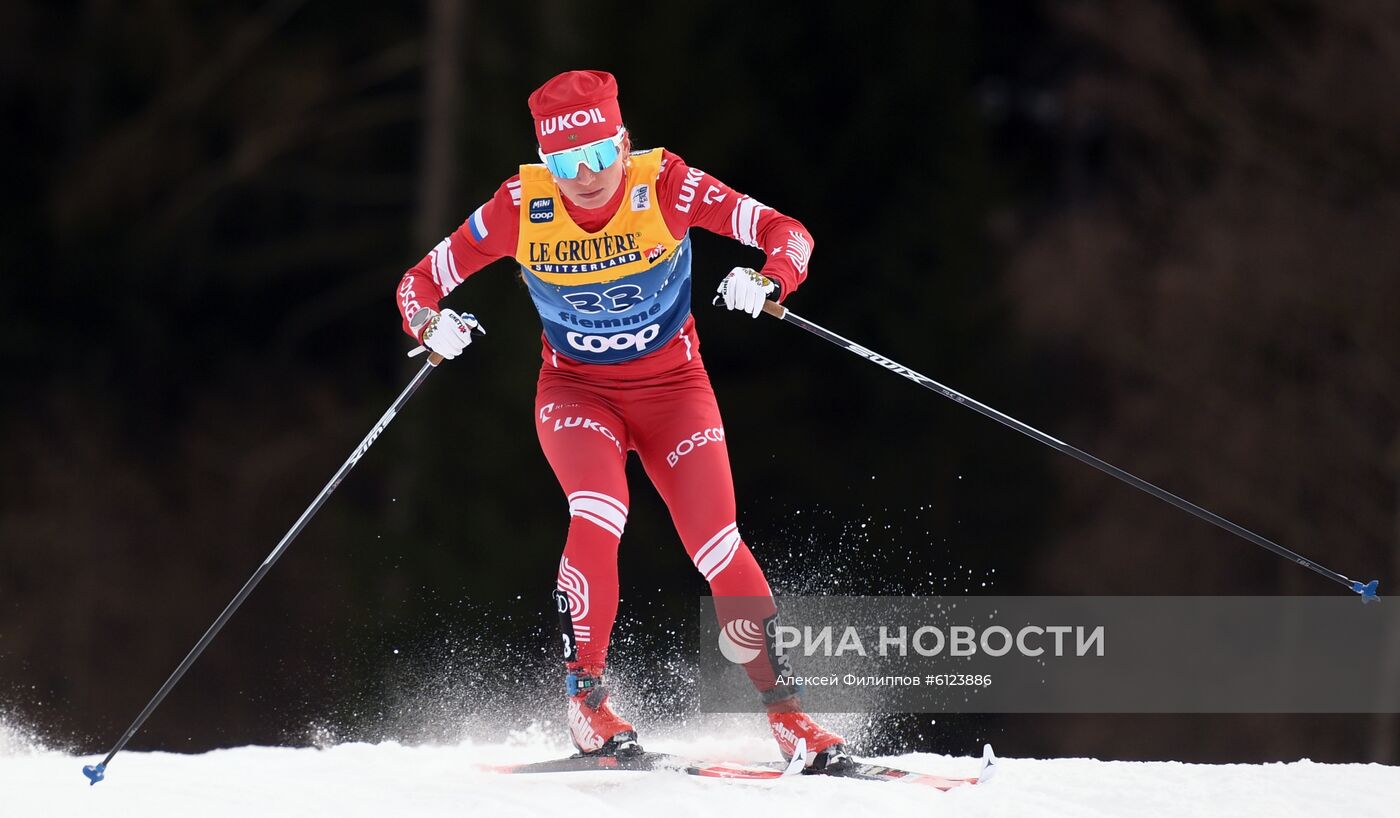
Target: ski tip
[989, 764]
[1367, 590]
[798, 762]
[95, 773]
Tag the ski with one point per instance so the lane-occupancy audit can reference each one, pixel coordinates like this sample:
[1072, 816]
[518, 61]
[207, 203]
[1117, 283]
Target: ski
[759, 770]
[647, 761]
[863, 771]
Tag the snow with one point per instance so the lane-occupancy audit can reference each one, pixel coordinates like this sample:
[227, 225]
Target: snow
[357, 780]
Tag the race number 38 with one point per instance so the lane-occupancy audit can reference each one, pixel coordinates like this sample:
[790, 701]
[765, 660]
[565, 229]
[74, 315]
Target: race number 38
[621, 298]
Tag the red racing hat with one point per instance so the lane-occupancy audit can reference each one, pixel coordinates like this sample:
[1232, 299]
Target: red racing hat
[575, 108]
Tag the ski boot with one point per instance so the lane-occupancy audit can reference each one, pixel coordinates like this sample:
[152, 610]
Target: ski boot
[826, 751]
[593, 726]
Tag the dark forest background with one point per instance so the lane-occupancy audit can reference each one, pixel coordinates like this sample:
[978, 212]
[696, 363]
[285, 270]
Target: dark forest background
[1165, 232]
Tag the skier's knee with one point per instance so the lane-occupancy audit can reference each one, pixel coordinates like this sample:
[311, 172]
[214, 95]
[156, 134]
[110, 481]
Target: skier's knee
[602, 510]
[717, 552]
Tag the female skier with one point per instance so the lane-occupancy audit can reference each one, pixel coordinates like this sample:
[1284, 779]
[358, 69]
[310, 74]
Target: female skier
[601, 236]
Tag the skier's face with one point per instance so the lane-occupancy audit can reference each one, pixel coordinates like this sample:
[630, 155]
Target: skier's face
[589, 189]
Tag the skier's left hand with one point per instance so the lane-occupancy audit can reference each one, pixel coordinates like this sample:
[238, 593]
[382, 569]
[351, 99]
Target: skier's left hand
[746, 289]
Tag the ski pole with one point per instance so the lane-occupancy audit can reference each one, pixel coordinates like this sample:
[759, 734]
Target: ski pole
[1366, 590]
[96, 772]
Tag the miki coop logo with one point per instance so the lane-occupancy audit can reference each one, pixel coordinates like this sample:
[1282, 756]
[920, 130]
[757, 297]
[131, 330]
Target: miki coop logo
[542, 210]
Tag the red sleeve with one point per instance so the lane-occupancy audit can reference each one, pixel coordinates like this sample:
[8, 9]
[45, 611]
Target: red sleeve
[691, 197]
[489, 233]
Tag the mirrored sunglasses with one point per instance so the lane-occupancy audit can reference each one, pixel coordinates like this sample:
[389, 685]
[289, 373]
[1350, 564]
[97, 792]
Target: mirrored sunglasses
[596, 155]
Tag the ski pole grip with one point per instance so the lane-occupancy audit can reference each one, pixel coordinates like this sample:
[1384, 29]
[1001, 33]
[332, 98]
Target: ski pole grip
[433, 358]
[773, 308]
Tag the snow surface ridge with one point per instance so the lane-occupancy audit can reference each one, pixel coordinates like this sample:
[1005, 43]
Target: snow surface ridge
[359, 780]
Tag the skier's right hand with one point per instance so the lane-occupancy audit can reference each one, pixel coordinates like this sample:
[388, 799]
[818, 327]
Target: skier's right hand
[448, 332]
[745, 289]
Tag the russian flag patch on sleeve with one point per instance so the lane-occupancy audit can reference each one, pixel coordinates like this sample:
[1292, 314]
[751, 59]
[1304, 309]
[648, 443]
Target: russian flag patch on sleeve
[477, 225]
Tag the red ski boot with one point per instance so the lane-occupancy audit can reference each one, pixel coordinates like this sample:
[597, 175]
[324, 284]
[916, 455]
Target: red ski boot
[825, 749]
[593, 726]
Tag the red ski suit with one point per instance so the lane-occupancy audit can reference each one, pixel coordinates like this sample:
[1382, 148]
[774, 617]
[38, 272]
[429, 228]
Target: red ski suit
[659, 404]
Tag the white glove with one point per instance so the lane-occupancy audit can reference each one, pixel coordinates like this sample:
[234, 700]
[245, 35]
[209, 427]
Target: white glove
[447, 333]
[746, 289]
